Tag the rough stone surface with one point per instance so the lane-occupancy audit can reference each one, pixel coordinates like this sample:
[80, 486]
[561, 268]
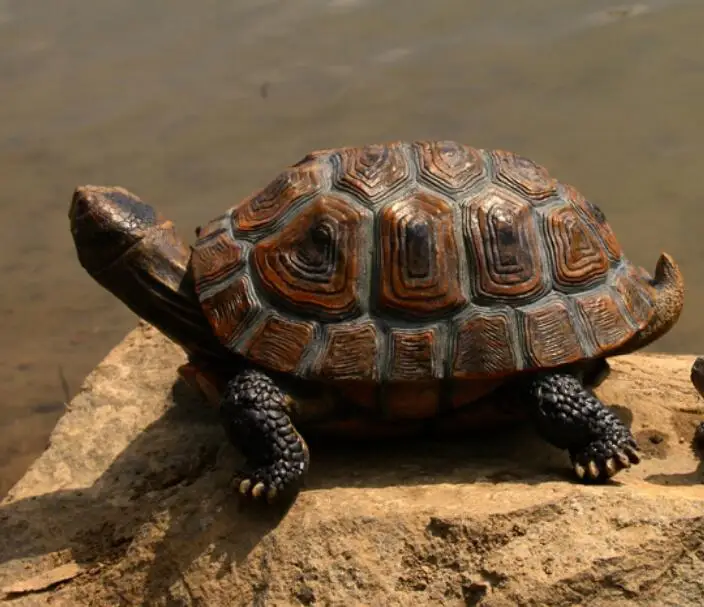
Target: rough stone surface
[130, 505]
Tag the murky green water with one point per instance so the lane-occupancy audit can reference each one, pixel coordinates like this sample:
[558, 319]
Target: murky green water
[194, 105]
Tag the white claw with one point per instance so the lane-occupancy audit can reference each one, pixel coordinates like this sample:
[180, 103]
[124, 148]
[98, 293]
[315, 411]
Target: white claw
[271, 494]
[579, 470]
[258, 490]
[245, 486]
[593, 470]
[623, 458]
[611, 467]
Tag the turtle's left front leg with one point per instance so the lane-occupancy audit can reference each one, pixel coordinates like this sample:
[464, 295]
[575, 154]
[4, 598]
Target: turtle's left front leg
[255, 413]
[570, 417]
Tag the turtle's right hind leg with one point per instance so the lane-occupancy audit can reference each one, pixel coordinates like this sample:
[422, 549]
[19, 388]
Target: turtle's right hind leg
[570, 417]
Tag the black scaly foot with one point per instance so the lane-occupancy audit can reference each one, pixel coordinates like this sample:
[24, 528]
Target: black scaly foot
[570, 417]
[697, 377]
[254, 412]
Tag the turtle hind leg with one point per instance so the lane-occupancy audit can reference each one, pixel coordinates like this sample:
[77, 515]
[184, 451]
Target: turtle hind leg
[570, 417]
[255, 414]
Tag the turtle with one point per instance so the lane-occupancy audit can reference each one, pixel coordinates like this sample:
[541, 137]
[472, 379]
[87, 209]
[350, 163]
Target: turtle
[696, 375]
[367, 289]
[697, 378]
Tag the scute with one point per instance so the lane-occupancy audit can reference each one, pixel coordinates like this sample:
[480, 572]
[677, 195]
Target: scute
[605, 318]
[413, 354]
[411, 262]
[449, 166]
[550, 335]
[523, 175]
[349, 351]
[263, 209]
[485, 344]
[596, 220]
[312, 265]
[636, 293]
[280, 343]
[232, 309]
[578, 258]
[217, 257]
[504, 248]
[419, 258]
[371, 173]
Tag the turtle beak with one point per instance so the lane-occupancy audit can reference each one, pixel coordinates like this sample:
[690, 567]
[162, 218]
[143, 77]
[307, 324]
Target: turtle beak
[106, 222]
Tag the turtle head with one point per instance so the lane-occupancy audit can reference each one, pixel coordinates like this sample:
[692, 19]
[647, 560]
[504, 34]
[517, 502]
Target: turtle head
[106, 223]
[134, 253]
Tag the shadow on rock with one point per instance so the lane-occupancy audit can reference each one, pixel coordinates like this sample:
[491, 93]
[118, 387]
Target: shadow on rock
[177, 475]
[687, 479]
[178, 453]
[687, 425]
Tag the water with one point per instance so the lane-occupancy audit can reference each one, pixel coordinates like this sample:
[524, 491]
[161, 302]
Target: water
[194, 105]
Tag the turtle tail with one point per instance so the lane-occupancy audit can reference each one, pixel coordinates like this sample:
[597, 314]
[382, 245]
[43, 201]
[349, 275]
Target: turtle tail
[137, 255]
[668, 283]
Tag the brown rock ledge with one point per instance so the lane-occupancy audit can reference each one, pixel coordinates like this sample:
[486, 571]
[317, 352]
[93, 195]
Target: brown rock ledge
[130, 505]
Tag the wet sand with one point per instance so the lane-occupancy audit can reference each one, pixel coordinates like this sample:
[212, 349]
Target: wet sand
[193, 108]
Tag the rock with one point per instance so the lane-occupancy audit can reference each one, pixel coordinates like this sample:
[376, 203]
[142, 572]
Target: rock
[131, 505]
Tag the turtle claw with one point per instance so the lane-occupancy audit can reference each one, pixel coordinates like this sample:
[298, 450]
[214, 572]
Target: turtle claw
[631, 454]
[623, 460]
[602, 469]
[610, 467]
[268, 482]
[258, 490]
[251, 486]
[593, 470]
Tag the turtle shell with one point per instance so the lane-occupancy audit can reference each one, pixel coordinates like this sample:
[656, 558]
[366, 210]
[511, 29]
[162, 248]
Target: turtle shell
[417, 261]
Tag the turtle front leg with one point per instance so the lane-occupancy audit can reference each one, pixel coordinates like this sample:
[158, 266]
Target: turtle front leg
[697, 377]
[255, 413]
[570, 417]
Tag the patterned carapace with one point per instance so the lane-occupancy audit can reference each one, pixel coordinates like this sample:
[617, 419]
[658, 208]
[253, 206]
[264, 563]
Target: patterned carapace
[417, 261]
